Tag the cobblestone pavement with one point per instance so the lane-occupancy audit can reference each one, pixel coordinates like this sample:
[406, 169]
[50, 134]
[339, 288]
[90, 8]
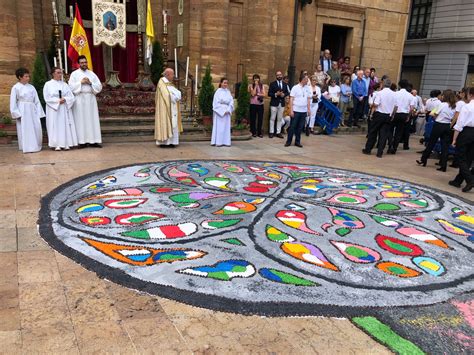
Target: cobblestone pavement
[50, 304]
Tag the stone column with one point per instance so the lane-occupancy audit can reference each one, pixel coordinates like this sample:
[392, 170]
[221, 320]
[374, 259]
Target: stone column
[260, 42]
[214, 18]
[10, 55]
[26, 30]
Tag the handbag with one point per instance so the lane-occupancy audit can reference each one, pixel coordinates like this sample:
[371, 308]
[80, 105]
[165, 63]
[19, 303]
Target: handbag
[350, 104]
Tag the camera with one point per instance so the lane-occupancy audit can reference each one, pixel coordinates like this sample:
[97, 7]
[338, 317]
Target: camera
[315, 100]
[260, 99]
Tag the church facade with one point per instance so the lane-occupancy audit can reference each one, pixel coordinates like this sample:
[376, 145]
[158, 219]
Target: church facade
[236, 37]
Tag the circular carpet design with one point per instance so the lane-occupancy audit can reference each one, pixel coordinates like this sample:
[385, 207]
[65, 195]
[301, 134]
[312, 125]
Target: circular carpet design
[265, 238]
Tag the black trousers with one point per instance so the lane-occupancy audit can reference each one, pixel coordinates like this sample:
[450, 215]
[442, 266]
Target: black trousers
[440, 131]
[399, 125]
[379, 127]
[465, 155]
[256, 119]
[357, 111]
[407, 130]
[296, 127]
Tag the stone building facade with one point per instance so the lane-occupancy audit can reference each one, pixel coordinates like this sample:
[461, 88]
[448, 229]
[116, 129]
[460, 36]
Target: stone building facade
[236, 36]
[439, 50]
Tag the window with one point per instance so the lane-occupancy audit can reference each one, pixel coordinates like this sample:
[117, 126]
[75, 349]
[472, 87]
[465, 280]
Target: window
[470, 72]
[412, 69]
[419, 19]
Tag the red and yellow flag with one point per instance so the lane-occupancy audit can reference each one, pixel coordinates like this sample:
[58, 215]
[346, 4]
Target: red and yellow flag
[78, 43]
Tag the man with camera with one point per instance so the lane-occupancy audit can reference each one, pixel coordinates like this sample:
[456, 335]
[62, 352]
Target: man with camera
[277, 92]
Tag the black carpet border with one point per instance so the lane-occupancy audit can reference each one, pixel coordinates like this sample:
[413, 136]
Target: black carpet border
[216, 303]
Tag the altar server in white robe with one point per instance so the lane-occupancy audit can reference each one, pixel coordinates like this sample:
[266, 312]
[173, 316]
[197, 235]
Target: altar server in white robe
[223, 106]
[26, 108]
[59, 119]
[168, 123]
[85, 85]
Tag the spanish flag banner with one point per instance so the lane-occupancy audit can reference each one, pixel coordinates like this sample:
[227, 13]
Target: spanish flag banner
[78, 43]
[150, 34]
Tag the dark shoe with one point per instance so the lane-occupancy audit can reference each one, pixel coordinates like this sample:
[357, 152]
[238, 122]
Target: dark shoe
[454, 183]
[81, 146]
[299, 145]
[454, 165]
[420, 162]
[287, 144]
[260, 136]
[391, 151]
[366, 152]
[356, 125]
[307, 131]
[254, 135]
[442, 168]
[279, 135]
[96, 145]
[468, 187]
[379, 155]
[438, 164]
[406, 148]
[270, 135]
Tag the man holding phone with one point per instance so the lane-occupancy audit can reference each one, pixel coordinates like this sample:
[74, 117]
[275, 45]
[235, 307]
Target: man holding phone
[277, 92]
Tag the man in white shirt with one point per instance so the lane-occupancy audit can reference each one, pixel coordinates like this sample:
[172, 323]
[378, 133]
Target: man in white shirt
[463, 139]
[384, 104]
[300, 98]
[403, 107]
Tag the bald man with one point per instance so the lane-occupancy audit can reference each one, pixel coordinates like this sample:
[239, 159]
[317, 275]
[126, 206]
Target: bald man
[167, 114]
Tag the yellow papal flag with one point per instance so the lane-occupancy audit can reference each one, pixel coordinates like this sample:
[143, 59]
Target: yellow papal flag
[150, 34]
[78, 43]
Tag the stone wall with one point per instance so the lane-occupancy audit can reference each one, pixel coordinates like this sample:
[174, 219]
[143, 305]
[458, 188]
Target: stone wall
[235, 36]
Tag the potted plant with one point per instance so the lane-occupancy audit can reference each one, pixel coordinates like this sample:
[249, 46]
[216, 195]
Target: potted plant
[39, 77]
[206, 95]
[243, 103]
[5, 138]
[241, 129]
[157, 64]
[8, 124]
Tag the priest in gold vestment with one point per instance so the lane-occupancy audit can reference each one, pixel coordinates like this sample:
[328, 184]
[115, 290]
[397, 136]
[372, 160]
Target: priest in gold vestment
[167, 114]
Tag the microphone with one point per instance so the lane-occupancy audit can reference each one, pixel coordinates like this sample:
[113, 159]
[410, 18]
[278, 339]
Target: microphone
[60, 94]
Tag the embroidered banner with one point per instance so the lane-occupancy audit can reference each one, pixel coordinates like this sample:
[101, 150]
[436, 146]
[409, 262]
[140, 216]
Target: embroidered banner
[109, 23]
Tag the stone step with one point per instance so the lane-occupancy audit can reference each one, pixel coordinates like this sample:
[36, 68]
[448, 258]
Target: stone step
[140, 120]
[351, 130]
[184, 137]
[122, 130]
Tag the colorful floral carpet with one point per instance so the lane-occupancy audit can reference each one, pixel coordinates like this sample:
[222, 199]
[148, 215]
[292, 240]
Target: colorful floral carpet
[279, 239]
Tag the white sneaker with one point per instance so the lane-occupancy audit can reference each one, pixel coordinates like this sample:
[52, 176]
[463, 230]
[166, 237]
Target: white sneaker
[58, 149]
[67, 148]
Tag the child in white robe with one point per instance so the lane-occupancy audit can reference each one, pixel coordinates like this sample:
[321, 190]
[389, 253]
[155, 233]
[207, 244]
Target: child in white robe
[26, 108]
[222, 106]
[59, 119]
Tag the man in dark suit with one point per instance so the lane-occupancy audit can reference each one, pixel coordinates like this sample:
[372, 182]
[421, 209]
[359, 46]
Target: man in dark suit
[325, 60]
[277, 92]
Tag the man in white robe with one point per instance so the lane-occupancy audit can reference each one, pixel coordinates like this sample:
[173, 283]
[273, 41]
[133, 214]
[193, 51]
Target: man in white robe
[223, 106]
[85, 85]
[167, 113]
[26, 109]
[59, 118]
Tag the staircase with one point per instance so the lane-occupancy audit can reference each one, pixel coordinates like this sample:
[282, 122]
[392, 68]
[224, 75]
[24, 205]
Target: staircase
[127, 115]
